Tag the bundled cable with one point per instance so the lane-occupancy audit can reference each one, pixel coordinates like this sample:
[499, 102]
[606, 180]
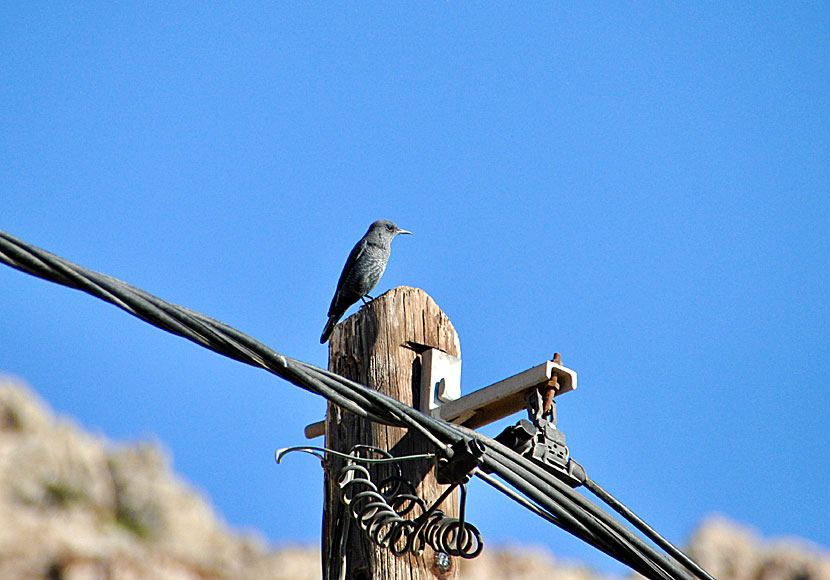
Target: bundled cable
[517, 477]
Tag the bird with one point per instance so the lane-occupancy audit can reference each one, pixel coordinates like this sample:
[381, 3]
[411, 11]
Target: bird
[362, 271]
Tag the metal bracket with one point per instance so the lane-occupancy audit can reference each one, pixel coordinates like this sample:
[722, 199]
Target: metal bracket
[506, 397]
[440, 379]
[440, 398]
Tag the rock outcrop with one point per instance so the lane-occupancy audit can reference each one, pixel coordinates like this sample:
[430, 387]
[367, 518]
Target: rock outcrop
[732, 552]
[75, 507]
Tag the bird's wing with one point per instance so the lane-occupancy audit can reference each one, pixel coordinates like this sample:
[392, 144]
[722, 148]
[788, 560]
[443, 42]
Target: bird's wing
[354, 256]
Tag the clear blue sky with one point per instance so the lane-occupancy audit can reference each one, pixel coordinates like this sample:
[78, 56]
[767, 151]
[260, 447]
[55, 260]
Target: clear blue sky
[643, 189]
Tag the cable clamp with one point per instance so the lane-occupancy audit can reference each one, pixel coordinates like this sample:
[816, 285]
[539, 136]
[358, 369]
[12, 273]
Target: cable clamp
[538, 439]
[460, 462]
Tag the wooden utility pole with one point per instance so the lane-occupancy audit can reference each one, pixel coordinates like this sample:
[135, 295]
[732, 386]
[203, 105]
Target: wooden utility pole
[380, 346]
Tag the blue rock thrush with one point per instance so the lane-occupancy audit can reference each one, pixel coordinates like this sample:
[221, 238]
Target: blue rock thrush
[362, 271]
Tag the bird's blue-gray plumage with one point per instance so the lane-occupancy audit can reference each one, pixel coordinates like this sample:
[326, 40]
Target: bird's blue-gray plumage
[362, 271]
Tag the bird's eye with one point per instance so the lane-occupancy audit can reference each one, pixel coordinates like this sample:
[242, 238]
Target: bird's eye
[390, 228]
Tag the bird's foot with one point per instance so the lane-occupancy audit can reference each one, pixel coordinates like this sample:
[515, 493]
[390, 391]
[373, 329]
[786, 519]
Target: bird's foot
[364, 299]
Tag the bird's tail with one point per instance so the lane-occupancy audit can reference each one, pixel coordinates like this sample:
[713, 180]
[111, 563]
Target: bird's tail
[328, 329]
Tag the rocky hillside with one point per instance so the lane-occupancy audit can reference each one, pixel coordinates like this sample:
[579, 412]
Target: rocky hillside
[76, 507]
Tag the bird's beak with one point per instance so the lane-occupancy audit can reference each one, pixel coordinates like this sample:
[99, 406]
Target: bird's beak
[400, 231]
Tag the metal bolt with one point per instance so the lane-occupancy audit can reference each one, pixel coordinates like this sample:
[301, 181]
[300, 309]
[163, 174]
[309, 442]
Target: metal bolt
[443, 564]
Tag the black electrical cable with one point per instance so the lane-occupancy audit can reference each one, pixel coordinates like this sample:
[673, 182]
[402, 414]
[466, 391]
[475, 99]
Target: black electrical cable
[567, 495]
[650, 532]
[536, 489]
[585, 524]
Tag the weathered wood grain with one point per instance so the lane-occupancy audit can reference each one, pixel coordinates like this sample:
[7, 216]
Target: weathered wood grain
[379, 346]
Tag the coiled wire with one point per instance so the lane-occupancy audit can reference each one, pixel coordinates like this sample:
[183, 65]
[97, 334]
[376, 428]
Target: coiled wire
[379, 510]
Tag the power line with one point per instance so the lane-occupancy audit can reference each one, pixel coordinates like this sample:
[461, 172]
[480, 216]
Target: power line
[532, 485]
